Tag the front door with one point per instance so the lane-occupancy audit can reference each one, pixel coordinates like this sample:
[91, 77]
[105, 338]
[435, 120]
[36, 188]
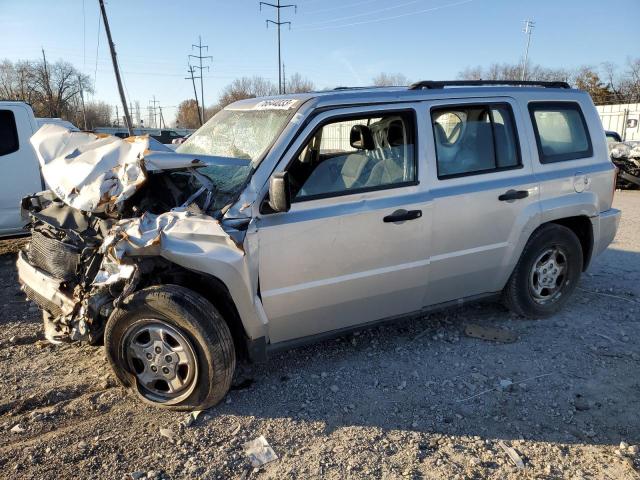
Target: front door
[353, 247]
[484, 196]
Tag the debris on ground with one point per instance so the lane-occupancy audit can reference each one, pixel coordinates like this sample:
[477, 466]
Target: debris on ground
[259, 452]
[490, 333]
[190, 418]
[573, 400]
[17, 429]
[512, 454]
[167, 433]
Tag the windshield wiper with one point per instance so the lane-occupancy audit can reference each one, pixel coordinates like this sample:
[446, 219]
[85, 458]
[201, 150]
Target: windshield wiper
[207, 186]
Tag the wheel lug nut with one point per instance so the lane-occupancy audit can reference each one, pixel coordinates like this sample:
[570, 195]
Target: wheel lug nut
[168, 358]
[154, 369]
[165, 370]
[149, 356]
[158, 350]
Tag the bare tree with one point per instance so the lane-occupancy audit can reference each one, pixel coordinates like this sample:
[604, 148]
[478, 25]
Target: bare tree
[187, 116]
[98, 115]
[53, 90]
[631, 82]
[246, 87]
[298, 84]
[606, 83]
[390, 80]
[587, 78]
[507, 71]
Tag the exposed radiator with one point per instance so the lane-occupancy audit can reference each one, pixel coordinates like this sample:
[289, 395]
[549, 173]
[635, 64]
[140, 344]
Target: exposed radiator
[57, 258]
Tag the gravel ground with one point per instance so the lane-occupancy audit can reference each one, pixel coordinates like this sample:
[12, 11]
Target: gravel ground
[418, 399]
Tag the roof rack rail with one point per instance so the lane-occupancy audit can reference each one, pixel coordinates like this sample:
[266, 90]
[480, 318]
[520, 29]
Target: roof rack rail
[431, 84]
[370, 87]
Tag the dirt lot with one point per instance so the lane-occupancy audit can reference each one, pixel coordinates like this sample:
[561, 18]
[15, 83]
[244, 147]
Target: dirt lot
[418, 399]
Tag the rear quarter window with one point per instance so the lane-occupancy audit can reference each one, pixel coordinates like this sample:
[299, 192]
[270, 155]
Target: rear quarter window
[561, 131]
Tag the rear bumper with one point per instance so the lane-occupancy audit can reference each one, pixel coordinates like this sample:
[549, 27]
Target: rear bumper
[605, 227]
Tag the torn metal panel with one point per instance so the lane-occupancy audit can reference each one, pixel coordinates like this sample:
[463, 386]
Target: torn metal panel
[171, 160]
[89, 172]
[97, 173]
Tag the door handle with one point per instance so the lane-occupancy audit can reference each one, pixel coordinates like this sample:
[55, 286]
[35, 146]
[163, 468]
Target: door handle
[402, 215]
[513, 195]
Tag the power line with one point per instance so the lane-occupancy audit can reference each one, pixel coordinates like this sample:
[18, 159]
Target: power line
[278, 24]
[341, 7]
[391, 17]
[200, 58]
[365, 14]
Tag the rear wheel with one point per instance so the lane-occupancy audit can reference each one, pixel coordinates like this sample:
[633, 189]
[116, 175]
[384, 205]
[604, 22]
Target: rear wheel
[546, 274]
[171, 347]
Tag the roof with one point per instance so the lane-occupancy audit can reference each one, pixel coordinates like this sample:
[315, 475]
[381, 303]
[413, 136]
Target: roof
[360, 95]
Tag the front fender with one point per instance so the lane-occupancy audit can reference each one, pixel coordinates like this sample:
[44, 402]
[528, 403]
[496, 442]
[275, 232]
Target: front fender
[201, 244]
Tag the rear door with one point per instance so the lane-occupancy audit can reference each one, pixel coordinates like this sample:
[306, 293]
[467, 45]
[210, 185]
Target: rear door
[354, 246]
[484, 195]
[20, 169]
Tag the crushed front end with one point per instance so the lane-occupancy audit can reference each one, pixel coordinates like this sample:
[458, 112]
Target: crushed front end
[59, 265]
[99, 232]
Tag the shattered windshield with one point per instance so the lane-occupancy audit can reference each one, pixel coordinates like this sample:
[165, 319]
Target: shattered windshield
[242, 134]
[245, 134]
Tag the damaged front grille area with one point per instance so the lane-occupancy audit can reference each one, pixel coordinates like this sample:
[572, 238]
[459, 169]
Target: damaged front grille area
[44, 303]
[59, 259]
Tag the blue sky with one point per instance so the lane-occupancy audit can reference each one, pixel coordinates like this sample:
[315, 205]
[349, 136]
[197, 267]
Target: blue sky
[332, 42]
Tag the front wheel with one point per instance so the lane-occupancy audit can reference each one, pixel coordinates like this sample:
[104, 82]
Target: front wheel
[171, 347]
[546, 274]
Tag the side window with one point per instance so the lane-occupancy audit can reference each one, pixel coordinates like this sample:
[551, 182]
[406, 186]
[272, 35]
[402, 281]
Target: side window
[473, 139]
[8, 133]
[561, 131]
[356, 154]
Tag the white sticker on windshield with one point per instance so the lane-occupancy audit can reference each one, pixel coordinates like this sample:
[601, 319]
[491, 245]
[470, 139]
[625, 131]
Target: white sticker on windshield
[276, 104]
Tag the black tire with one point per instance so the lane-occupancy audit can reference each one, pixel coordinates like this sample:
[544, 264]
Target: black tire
[194, 320]
[519, 296]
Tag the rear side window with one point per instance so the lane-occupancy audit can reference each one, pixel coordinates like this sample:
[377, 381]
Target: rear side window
[8, 133]
[561, 131]
[474, 139]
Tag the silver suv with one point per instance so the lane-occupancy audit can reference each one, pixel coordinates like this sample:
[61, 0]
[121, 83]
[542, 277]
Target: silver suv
[290, 219]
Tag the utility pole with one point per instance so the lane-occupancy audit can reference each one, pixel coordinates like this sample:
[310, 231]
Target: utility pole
[195, 93]
[48, 84]
[84, 111]
[200, 58]
[138, 117]
[131, 111]
[162, 124]
[112, 48]
[284, 80]
[527, 30]
[154, 101]
[278, 23]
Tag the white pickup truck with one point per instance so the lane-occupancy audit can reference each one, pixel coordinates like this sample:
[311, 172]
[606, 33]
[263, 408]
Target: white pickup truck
[20, 168]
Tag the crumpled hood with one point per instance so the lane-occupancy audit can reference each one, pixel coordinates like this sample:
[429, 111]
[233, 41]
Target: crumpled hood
[97, 172]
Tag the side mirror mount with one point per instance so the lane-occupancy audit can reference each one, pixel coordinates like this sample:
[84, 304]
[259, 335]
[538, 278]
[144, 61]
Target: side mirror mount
[280, 192]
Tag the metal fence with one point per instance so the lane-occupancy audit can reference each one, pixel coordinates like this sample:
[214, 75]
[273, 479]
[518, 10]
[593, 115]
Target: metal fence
[623, 118]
